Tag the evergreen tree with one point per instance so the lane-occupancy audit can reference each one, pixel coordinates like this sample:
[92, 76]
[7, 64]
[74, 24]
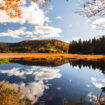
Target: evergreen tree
[94, 46]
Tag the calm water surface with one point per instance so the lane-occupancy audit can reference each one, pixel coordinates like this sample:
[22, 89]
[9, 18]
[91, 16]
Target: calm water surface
[60, 85]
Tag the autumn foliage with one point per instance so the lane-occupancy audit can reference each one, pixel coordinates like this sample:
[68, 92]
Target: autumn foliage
[12, 7]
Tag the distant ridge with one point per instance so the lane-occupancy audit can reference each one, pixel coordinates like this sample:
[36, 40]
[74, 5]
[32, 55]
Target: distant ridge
[36, 46]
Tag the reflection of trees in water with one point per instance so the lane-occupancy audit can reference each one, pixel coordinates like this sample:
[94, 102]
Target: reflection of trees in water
[91, 64]
[41, 62]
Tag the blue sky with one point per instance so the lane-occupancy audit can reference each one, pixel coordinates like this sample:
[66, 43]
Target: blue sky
[58, 20]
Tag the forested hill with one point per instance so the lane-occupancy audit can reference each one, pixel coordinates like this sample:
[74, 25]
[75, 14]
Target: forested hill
[36, 46]
[92, 46]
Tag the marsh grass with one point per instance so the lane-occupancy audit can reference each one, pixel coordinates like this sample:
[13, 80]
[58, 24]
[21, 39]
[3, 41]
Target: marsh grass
[11, 96]
[52, 56]
[4, 60]
[8, 94]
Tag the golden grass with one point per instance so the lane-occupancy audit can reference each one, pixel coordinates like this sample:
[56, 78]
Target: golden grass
[52, 56]
[8, 94]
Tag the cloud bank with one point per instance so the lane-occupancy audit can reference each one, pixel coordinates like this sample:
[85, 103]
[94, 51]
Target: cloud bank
[33, 16]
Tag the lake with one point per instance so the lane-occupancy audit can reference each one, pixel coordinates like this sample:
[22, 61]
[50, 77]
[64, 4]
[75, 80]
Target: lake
[72, 83]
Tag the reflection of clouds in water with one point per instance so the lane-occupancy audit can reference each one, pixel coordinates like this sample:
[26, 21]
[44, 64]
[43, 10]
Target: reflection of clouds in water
[59, 88]
[98, 83]
[70, 81]
[34, 89]
[92, 98]
[76, 67]
[87, 85]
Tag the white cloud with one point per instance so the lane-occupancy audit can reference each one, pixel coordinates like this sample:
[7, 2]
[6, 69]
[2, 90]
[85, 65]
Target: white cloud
[70, 25]
[34, 15]
[98, 23]
[50, 8]
[94, 26]
[38, 32]
[99, 20]
[47, 31]
[14, 33]
[76, 38]
[59, 17]
[4, 18]
[31, 14]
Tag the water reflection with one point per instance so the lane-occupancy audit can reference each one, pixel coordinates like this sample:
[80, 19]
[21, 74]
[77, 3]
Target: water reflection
[53, 63]
[91, 64]
[32, 81]
[40, 62]
[97, 82]
[101, 98]
[62, 85]
[98, 99]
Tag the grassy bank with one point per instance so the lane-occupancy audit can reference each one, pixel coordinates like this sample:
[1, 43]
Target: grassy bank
[51, 56]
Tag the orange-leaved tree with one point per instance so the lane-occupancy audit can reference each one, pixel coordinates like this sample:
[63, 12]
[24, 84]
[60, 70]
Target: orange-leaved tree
[12, 7]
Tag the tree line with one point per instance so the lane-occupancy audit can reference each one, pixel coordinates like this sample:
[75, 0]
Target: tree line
[92, 46]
